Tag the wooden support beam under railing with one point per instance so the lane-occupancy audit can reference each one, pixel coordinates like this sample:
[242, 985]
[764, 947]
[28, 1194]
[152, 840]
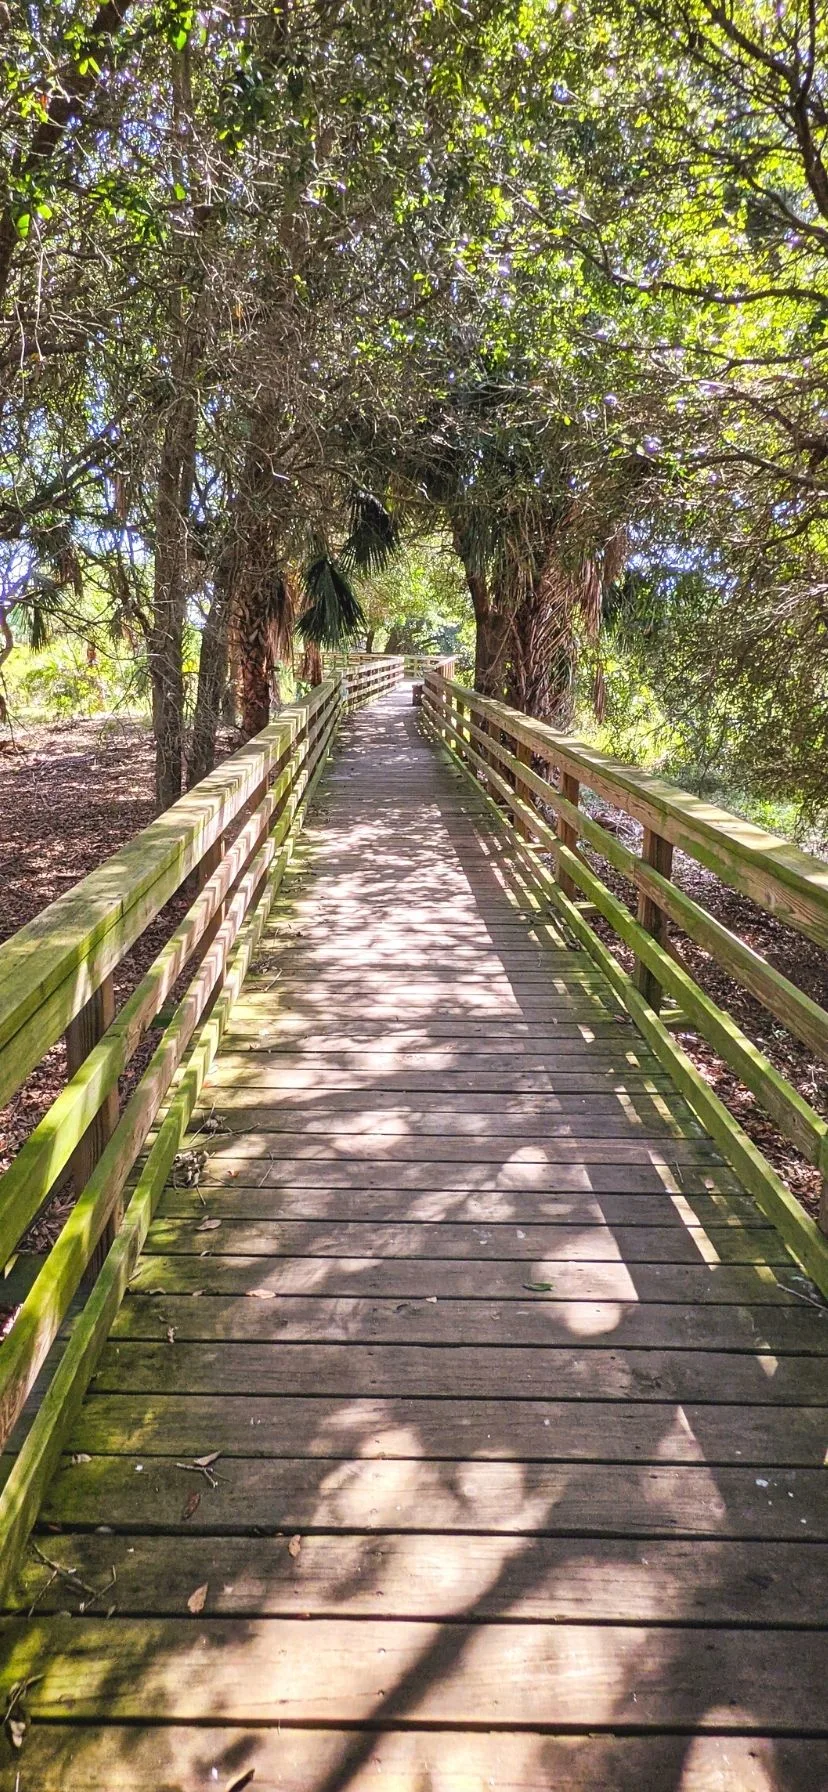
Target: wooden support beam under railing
[658, 852]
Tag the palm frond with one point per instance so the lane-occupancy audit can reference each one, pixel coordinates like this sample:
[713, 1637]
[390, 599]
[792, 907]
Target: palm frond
[333, 615]
[374, 535]
[35, 617]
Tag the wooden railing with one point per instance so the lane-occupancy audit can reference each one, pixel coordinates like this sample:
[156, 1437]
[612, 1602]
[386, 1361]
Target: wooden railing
[370, 675]
[229, 840]
[418, 664]
[411, 665]
[513, 759]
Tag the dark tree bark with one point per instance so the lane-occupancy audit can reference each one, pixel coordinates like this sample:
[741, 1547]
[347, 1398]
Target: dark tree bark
[175, 483]
[212, 672]
[524, 651]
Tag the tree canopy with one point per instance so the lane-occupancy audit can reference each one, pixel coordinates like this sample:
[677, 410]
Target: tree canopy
[299, 301]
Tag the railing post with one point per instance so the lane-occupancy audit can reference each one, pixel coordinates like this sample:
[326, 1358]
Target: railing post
[524, 754]
[460, 724]
[567, 833]
[445, 703]
[82, 1034]
[658, 853]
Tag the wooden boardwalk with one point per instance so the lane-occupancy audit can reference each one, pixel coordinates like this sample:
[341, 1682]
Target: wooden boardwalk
[463, 1427]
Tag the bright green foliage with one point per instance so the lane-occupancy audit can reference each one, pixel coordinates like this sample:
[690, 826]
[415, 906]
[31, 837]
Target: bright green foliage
[549, 284]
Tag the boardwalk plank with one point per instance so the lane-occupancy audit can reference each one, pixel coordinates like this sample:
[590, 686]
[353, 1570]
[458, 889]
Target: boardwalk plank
[699, 1284]
[541, 1246]
[322, 1670]
[542, 1430]
[425, 1320]
[125, 1759]
[601, 1373]
[411, 1575]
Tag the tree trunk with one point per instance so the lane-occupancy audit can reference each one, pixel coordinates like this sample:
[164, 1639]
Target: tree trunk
[175, 483]
[541, 662]
[212, 673]
[255, 687]
[492, 631]
[175, 480]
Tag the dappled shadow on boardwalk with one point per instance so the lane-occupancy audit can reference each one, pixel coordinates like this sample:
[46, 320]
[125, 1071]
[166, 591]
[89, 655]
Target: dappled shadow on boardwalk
[518, 1428]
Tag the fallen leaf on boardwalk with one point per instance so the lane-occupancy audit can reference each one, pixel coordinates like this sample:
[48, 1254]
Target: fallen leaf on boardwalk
[243, 1780]
[539, 1287]
[192, 1506]
[207, 1461]
[195, 1603]
[214, 1124]
[261, 1294]
[294, 1547]
[15, 1719]
[208, 1225]
[170, 1334]
[187, 1168]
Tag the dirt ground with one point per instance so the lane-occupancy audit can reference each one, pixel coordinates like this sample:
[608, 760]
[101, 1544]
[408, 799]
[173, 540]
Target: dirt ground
[77, 790]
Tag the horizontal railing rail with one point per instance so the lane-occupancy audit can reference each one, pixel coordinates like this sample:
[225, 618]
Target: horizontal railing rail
[231, 837]
[513, 758]
[418, 664]
[371, 677]
[411, 665]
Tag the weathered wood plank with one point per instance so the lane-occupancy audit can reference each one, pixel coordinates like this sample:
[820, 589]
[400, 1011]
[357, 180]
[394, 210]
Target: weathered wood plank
[540, 1430]
[660, 1174]
[602, 1117]
[269, 1031]
[419, 1495]
[542, 1148]
[542, 1246]
[231, 1368]
[398, 1277]
[329, 1670]
[167, 1757]
[424, 1319]
[411, 1575]
[629, 1207]
[453, 1110]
